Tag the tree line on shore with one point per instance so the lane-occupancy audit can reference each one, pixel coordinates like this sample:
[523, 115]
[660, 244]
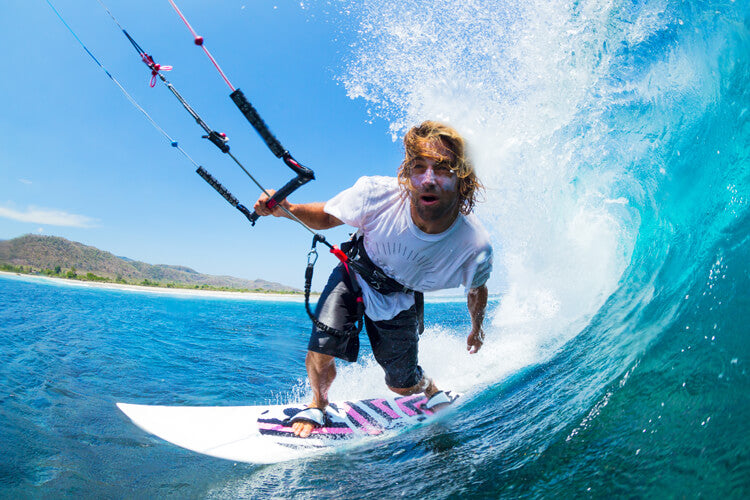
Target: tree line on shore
[72, 274]
[58, 257]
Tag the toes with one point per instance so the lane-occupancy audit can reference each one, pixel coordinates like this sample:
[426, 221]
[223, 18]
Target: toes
[302, 429]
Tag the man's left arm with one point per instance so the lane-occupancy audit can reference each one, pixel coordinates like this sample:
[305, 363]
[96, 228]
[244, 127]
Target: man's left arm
[477, 302]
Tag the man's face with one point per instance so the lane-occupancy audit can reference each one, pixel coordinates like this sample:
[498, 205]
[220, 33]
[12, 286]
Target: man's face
[434, 191]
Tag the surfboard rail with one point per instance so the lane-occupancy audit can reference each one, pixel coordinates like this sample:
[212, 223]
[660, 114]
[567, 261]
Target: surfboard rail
[263, 434]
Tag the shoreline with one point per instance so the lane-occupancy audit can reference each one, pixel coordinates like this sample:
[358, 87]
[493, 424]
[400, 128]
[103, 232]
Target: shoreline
[177, 292]
[432, 298]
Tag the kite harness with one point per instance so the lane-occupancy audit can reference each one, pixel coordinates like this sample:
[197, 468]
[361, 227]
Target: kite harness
[354, 258]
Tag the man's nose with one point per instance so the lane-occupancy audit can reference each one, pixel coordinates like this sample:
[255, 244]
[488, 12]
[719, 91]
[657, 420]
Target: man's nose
[429, 176]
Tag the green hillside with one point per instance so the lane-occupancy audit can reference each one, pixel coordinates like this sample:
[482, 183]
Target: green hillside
[55, 256]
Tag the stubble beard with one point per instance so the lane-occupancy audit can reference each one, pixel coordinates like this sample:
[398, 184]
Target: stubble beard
[436, 212]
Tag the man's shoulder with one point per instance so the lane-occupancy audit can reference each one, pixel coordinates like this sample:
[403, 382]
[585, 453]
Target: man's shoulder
[378, 190]
[382, 182]
[366, 199]
[475, 230]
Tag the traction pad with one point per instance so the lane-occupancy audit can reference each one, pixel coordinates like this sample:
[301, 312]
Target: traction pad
[351, 419]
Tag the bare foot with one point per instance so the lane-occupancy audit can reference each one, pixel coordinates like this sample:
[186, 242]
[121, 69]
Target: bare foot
[304, 428]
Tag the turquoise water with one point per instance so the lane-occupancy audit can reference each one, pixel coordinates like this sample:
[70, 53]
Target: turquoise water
[650, 399]
[615, 143]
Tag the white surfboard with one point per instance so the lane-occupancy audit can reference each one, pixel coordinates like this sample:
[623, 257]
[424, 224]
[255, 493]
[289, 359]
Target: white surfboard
[263, 434]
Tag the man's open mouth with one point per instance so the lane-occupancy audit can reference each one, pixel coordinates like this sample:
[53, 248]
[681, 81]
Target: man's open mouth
[429, 198]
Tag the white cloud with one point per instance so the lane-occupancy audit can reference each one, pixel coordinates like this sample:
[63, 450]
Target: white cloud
[25, 181]
[50, 217]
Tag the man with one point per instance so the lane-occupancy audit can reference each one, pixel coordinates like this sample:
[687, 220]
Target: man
[419, 230]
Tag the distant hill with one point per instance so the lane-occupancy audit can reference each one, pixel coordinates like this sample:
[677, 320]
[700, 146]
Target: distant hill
[56, 255]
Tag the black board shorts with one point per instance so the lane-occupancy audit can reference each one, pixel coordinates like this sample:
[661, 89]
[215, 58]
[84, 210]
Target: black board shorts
[394, 342]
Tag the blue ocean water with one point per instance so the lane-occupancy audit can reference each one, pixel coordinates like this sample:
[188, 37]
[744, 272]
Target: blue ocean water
[614, 140]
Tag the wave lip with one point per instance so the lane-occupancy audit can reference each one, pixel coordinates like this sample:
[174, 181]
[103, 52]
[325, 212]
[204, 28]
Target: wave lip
[614, 142]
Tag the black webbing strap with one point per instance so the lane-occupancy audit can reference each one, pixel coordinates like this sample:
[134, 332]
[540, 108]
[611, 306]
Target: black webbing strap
[312, 257]
[368, 270]
[374, 276]
[355, 258]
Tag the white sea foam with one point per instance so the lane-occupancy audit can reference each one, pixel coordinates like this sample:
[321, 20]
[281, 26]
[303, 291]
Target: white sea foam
[529, 85]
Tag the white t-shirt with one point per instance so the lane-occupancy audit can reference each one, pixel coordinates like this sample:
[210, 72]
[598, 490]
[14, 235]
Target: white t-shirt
[460, 255]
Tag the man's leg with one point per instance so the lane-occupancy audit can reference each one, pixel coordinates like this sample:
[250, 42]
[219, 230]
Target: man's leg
[321, 370]
[338, 309]
[395, 346]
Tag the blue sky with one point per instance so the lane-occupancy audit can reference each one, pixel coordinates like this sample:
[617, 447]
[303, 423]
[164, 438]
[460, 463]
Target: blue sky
[79, 161]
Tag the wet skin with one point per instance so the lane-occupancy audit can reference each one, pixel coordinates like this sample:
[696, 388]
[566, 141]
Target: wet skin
[434, 191]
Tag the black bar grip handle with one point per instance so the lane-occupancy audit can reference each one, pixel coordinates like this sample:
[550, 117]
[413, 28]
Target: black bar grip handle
[285, 191]
[282, 193]
[253, 217]
[224, 192]
[257, 122]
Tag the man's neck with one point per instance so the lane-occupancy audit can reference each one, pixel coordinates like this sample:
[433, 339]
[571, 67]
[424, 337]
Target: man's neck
[434, 227]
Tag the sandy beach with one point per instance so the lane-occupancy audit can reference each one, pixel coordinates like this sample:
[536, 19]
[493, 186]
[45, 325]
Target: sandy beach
[176, 292]
[455, 295]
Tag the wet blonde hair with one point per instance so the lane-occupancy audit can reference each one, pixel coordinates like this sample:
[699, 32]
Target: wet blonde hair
[419, 142]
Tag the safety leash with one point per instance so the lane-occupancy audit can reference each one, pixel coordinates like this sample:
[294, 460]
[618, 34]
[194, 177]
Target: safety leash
[312, 258]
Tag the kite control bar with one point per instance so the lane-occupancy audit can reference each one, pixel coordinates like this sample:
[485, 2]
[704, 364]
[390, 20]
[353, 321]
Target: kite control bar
[304, 174]
[224, 192]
